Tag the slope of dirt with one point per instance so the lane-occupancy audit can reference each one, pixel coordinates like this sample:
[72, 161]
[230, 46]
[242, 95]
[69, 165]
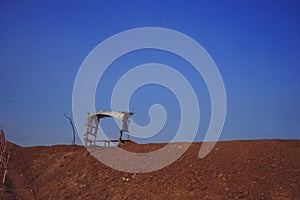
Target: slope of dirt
[264, 169]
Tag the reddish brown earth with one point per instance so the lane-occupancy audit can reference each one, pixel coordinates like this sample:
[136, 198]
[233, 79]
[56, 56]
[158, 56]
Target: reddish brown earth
[264, 169]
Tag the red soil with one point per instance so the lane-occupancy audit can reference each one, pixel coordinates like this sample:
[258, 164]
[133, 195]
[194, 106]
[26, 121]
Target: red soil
[265, 169]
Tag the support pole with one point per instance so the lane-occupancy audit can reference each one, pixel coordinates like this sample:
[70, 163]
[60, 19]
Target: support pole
[120, 138]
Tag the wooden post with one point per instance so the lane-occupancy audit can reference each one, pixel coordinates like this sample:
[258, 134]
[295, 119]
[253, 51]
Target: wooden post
[120, 138]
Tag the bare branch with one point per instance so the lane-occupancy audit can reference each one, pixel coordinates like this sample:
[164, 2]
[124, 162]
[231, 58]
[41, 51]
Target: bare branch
[73, 127]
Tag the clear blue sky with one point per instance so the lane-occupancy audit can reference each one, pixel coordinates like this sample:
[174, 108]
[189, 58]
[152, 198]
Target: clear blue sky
[255, 44]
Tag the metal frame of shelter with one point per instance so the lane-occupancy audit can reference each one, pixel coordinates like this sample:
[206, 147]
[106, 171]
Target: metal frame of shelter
[90, 136]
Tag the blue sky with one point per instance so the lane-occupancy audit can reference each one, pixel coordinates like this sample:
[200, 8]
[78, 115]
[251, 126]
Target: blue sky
[255, 44]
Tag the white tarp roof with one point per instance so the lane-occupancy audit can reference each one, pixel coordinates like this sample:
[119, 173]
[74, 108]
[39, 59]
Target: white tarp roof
[123, 116]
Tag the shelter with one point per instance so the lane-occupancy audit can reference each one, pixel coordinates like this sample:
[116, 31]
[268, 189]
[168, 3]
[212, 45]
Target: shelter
[90, 137]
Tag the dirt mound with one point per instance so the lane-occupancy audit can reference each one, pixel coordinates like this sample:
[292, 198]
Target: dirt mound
[265, 169]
